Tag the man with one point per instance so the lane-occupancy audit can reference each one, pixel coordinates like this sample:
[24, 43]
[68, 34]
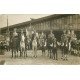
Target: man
[15, 33]
[22, 36]
[49, 43]
[41, 39]
[34, 47]
[27, 33]
[15, 43]
[42, 36]
[69, 40]
[63, 39]
[65, 50]
[68, 35]
[43, 47]
[73, 35]
[51, 35]
[33, 34]
[26, 41]
[54, 50]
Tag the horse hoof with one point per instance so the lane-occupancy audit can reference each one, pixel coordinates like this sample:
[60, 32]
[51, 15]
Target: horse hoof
[11, 57]
[66, 59]
[63, 59]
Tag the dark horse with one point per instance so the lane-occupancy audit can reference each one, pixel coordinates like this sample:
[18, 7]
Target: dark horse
[15, 46]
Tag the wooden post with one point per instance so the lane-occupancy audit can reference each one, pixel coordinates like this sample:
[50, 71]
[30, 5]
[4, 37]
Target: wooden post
[7, 27]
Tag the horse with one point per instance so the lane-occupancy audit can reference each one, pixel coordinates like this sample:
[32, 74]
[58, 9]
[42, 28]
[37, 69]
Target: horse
[15, 46]
[22, 46]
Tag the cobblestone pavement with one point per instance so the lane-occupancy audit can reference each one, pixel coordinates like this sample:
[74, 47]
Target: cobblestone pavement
[40, 60]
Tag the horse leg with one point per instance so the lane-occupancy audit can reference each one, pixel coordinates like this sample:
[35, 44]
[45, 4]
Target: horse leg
[62, 53]
[26, 52]
[42, 52]
[20, 52]
[12, 53]
[56, 55]
[50, 53]
[35, 52]
[15, 53]
[47, 51]
[7, 48]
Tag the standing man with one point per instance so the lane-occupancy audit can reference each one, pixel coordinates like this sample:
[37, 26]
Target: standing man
[69, 40]
[41, 38]
[26, 41]
[34, 47]
[63, 39]
[43, 47]
[65, 50]
[15, 43]
[55, 56]
[50, 43]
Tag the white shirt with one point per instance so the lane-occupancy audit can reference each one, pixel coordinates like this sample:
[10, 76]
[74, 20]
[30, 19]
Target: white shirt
[15, 34]
[22, 44]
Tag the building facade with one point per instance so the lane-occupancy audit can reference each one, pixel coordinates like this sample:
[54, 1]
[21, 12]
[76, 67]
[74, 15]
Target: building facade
[56, 22]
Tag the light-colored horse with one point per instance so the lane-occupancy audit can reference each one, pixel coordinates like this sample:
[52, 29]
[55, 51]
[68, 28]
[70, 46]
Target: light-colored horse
[22, 46]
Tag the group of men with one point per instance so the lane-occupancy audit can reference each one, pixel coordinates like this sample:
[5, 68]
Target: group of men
[66, 42]
[43, 42]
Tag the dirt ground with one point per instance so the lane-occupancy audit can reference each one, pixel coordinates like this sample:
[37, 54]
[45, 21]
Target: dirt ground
[40, 60]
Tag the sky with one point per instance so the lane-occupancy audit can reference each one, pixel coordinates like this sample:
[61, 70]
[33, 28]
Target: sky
[18, 18]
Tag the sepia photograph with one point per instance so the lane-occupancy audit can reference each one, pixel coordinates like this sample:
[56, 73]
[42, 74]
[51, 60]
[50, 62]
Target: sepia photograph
[39, 39]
